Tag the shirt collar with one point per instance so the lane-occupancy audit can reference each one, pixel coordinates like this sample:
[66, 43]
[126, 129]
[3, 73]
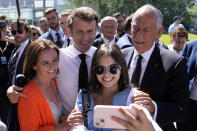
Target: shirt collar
[146, 55]
[108, 41]
[76, 52]
[25, 42]
[53, 32]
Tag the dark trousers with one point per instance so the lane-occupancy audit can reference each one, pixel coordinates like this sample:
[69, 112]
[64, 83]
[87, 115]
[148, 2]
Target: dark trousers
[191, 123]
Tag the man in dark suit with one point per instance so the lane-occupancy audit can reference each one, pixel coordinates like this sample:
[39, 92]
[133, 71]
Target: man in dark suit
[161, 75]
[108, 27]
[190, 53]
[55, 33]
[20, 30]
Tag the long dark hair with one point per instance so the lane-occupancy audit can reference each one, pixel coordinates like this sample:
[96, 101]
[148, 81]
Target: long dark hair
[114, 51]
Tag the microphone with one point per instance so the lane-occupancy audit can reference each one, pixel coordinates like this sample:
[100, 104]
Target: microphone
[21, 80]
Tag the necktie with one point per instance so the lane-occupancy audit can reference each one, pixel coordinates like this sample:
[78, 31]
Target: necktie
[68, 42]
[136, 74]
[83, 73]
[58, 42]
[12, 63]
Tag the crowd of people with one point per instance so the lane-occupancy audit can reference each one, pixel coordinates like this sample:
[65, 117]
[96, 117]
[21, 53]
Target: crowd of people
[70, 68]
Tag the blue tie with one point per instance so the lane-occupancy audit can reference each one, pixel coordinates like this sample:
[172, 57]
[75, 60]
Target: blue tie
[58, 42]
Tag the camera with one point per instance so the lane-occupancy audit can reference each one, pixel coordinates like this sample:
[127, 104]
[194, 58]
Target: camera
[2, 25]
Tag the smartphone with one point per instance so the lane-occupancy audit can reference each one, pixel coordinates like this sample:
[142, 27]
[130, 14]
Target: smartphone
[103, 114]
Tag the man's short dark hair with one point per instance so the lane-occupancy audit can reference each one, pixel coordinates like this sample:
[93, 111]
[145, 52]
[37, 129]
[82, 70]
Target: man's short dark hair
[49, 10]
[127, 23]
[177, 18]
[23, 23]
[84, 13]
[118, 14]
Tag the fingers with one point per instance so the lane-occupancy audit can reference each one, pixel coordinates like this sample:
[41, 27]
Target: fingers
[75, 118]
[124, 123]
[131, 121]
[14, 93]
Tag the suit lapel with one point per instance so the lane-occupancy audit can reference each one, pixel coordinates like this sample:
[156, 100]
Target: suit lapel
[153, 70]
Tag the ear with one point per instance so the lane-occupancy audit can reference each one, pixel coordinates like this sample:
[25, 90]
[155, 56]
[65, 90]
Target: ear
[159, 33]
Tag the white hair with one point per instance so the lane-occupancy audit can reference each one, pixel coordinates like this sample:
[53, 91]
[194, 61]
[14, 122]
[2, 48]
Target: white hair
[106, 18]
[148, 8]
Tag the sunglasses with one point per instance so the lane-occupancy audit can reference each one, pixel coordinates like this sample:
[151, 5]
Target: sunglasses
[113, 69]
[15, 31]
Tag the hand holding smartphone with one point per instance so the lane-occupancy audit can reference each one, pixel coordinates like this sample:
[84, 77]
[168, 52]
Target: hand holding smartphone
[103, 114]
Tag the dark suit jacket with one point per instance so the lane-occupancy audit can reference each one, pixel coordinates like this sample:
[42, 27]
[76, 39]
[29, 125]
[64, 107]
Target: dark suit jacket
[165, 80]
[190, 53]
[19, 68]
[100, 41]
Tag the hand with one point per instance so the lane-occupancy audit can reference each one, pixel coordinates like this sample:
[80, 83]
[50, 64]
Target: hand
[74, 119]
[14, 93]
[61, 127]
[139, 123]
[143, 99]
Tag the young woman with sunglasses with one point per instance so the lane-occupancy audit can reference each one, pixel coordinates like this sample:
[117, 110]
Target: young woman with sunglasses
[109, 81]
[109, 85]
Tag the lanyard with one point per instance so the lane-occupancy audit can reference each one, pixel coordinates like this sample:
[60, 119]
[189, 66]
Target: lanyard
[2, 51]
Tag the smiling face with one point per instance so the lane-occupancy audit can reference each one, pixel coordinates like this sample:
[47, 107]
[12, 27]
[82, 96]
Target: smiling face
[53, 20]
[19, 38]
[179, 43]
[144, 31]
[83, 33]
[109, 28]
[47, 64]
[108, 80]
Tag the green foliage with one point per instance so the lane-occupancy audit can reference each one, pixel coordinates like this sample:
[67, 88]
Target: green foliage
[165, 38]
[169, 8]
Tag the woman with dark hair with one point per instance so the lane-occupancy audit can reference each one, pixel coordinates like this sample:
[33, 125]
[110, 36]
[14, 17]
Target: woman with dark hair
[109, 81]
[41, 109]
[178, 39]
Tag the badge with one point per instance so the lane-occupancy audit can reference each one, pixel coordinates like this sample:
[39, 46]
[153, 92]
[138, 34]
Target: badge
[3, 60]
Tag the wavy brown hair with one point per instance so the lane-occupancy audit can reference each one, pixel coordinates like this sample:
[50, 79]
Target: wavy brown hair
[177, 33]
[114, 51]
[32, 53]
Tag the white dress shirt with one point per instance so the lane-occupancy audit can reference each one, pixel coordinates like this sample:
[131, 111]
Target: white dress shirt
[145, 58]
[53, 33]
[108, 41]
[65, 44]
[67, 79]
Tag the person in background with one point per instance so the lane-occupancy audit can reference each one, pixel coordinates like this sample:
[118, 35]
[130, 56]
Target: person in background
[177, 23]
[125, 40]
[178, 39]
[41, 109]
[55, 33]
[108, 27]
[44, 26]
[6, 49]
[35, 33]
[120, 19]
[190, 53]
[63, 23]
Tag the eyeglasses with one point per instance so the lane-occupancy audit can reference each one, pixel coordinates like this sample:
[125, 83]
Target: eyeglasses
[15, 31]
[113, 69]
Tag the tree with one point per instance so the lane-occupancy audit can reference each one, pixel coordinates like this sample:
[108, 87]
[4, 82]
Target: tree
[169, 8]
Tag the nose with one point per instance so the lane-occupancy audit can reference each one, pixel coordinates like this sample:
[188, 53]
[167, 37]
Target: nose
[139, 35]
